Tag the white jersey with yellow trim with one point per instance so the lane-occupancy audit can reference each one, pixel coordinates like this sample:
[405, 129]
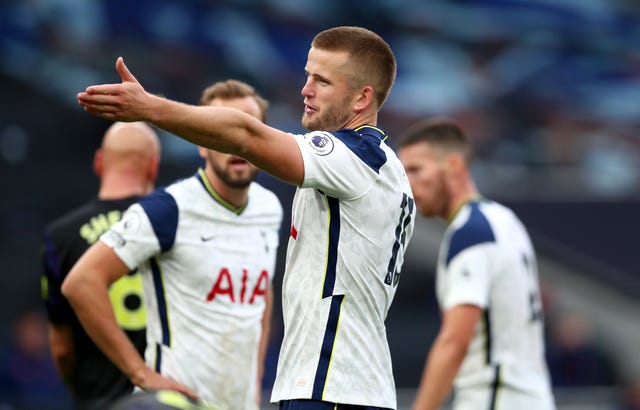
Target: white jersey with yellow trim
[351, 221]
[205, 267]
[487, 259]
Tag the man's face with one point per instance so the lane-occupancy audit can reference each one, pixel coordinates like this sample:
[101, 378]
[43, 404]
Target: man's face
[234, 171]
[427, 176]
[328, 101]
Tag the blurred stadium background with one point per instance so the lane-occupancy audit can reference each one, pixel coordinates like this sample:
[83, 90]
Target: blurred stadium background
[549, 91]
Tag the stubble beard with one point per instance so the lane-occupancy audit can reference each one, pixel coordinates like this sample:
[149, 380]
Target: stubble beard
[333, 119]
[233, 181]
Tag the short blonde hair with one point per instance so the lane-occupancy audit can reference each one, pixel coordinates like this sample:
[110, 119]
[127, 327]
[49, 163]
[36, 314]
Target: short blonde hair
[232, 89]
[374, 61]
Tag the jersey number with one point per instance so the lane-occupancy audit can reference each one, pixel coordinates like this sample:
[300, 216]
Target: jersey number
[393, 270]
[535, 302]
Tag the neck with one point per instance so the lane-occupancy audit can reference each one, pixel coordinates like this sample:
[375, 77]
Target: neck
[362, 119]
[465, 194]
[116, 187]
[235, 196]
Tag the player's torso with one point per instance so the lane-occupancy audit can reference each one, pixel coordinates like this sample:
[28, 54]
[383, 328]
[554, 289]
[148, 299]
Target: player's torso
[207, 292]
[343, 266]
[509, 333]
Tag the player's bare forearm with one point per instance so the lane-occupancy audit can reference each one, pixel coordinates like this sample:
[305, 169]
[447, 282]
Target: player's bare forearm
[446, 355]
[437, 379]
[86, 288]
[222, 129]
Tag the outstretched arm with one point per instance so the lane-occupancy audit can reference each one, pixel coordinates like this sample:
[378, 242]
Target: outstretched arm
[86, 288]
[446, 355]
[219, 128]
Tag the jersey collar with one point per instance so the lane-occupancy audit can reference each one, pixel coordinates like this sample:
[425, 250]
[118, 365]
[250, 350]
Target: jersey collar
[371, 130]
[474, 198]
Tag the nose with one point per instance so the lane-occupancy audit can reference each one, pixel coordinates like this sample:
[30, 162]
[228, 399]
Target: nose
[307, 90]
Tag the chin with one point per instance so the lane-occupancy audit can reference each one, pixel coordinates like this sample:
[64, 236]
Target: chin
[309, 124]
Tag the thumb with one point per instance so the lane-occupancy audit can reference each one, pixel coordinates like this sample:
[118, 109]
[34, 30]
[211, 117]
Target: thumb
[124, 72]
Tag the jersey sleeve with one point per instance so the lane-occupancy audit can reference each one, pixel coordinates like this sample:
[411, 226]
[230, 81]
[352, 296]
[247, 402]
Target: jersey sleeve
[57, 307]
[332, 167]
[146, 229]
[467, 278]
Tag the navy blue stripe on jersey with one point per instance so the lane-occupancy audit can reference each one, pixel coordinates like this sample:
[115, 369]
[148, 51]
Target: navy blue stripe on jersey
[494, 389]
[475, 231]
[158, 365]
[306, 404]
[326, 351]
[158, 285]
[365, 143]
[162, 210]
[487, 342]
[333, 206]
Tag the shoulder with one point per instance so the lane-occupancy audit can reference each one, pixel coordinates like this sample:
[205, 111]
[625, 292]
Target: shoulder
[159, 201]
[69, 223]
[364, 143]
[470, 227]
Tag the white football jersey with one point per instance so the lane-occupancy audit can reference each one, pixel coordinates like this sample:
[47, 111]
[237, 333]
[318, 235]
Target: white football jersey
[487, 259]
[205, 266]
[351, 221]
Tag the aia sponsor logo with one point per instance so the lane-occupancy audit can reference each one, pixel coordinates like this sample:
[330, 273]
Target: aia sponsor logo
[242, 292]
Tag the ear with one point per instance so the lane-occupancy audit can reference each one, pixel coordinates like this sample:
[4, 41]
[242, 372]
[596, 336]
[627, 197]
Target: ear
[455, 163]
[97, 163]
[365, 98]
[154, 166]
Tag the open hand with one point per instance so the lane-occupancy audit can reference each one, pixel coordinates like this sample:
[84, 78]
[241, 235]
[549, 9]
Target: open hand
[126, 101]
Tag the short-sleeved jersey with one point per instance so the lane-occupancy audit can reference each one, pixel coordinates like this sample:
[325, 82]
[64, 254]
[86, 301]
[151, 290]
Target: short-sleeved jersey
[351, 221]
[487, 259]
[206, 266]
[96, 380]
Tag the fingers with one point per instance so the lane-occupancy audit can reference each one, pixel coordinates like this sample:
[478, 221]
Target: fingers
[105, 89]
[187, 392]
[124, 72]
[96, 98]
[155, 381]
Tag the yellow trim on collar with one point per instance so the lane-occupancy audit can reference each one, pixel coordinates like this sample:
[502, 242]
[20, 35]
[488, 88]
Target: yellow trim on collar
[235, 209]
[463, 203]
[375, 128]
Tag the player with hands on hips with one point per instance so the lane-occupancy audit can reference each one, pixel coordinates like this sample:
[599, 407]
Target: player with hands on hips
[206, 248]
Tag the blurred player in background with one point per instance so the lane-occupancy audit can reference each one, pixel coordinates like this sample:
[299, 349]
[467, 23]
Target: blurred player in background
[127, 166]
[206, 248]
[490, 345]
[352, 214]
